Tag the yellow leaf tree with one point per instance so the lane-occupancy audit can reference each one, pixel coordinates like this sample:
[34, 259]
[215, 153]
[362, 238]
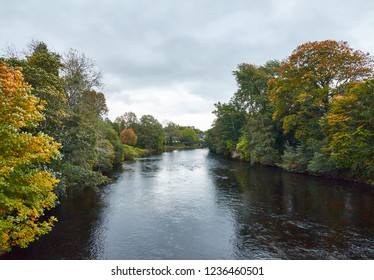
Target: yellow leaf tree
[26, 185]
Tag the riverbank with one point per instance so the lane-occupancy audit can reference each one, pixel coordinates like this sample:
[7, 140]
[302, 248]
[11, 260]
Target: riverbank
[131, 153]
[343, 176]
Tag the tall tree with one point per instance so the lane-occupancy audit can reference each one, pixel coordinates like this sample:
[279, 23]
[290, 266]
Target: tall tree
[313, 74]
[225, 133]
[261, 138]
[350, 126]
[81, 75]
[26, 186]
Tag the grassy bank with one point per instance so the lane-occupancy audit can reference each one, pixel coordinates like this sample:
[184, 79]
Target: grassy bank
[131, 152]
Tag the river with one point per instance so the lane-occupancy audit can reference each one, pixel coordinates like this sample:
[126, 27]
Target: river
[196, 205]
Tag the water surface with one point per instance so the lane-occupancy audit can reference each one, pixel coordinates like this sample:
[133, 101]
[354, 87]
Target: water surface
[195, 205]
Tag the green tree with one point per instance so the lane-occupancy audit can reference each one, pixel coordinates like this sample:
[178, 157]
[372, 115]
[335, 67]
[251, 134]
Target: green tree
[350, 126]
[188, 136]
[26, 187]
[88, 154]
[258, 142]
[223, 137]
[261, 138]
[150, 133]
[172, 136]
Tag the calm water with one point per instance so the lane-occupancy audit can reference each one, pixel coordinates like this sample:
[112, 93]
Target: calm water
[194, 205]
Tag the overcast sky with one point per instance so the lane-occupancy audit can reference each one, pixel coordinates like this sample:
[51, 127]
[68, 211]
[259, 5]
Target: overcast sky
[174, 59]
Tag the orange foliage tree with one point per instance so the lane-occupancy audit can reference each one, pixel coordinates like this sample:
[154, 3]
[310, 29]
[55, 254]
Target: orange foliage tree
[311, 76]
[128, 137]
[26, 186]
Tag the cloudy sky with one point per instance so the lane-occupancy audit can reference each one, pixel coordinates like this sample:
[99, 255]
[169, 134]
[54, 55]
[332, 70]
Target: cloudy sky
[174, 59]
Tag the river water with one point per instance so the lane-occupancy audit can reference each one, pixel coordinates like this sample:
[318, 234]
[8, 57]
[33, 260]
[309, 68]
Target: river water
[196, 205]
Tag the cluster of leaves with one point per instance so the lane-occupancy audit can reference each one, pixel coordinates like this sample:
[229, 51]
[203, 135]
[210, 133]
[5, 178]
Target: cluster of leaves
[311, 112]
[49, 102]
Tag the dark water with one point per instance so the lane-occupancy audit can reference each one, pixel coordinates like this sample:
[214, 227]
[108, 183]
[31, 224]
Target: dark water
[194, 205]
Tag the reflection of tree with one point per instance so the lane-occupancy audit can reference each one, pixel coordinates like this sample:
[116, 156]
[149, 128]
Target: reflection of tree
[294, 216]
[149, 166]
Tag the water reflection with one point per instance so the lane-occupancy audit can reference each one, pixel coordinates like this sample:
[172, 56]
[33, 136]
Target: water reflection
[195, 205]
[293, 216]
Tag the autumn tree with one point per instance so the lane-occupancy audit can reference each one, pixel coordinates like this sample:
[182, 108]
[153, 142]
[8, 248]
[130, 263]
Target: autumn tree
[41, 69]
[302, 93]
[26, 186]
[128, 137]
[311, 76]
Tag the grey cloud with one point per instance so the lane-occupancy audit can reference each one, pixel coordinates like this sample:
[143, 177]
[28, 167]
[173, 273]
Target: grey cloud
[144, 44]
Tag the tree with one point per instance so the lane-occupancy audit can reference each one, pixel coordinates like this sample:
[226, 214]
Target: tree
[350, 126]
[127, 120]
[80, 76]
[252, 80]
[40, 69]
[150, 133]
[128, 137]
[312, 75]
[258, 141]
[261, 138]
[223, 137]
[26, 187]
[172, 134]
[188, 136]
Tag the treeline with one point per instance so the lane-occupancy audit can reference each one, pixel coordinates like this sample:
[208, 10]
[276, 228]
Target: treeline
[148, 133]
[53, 137]
[312, 113]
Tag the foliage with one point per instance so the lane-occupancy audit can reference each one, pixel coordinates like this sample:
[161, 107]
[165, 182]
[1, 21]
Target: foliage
[131, 152]
[26, 187]
[172, 134]
[243, 125]
[127, 120]
[188, 136]
[313, 74]
[80, 76]
[150, 134]
[295, 158]
[257, 143]
[225, 133]
[128, 137]
[310, 113]
[350, 126]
